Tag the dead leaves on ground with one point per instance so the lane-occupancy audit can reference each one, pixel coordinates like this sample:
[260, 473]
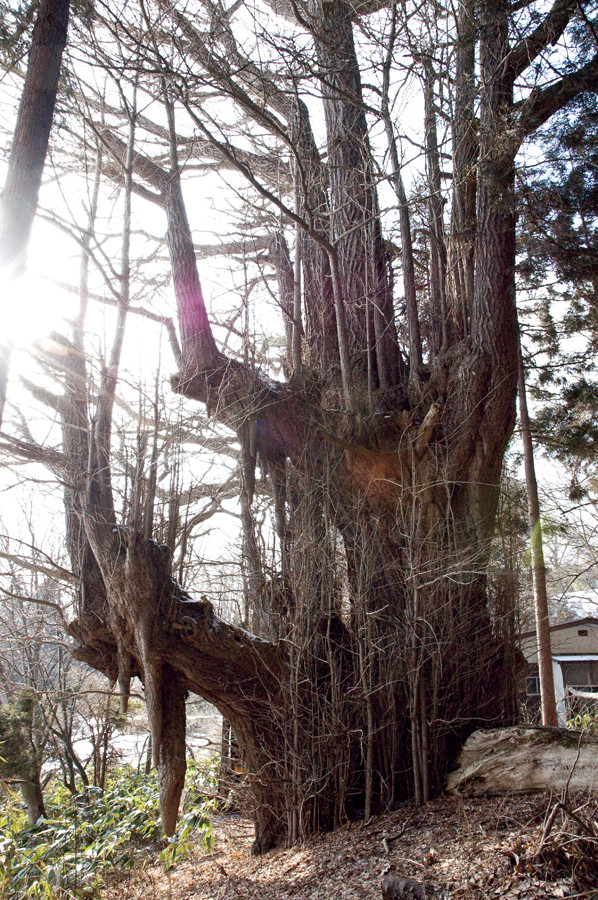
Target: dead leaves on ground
[515, 848]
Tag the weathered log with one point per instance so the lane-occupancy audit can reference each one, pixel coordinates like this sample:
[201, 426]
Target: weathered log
[525, 759]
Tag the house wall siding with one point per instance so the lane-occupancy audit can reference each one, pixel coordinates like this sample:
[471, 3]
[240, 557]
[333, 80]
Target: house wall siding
[564, 639]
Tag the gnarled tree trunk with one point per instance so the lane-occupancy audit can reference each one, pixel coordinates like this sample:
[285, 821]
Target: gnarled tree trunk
[382, 654]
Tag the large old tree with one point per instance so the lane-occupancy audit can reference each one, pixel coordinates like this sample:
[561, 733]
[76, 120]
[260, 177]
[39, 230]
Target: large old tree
[371, 648]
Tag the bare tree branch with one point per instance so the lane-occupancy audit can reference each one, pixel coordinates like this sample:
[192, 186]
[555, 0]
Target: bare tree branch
[542, 104]
[548, 32]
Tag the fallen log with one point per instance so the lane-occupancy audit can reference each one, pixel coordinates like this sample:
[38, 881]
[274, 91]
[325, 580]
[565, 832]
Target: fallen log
[525, 759]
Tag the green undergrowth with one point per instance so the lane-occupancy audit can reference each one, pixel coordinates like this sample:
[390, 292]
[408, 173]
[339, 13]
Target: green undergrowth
[68, 854]
[585, 721]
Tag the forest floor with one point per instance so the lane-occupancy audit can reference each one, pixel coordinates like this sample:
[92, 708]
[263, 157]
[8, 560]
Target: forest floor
[500, 847]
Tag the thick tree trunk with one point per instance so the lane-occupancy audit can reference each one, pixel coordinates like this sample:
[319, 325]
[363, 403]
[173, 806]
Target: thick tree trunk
[382, 652]
[355, 221]
[373, 686]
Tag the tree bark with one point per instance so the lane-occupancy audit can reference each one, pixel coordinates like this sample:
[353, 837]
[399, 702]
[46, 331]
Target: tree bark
[465, 142]
[439, 331]
[382, 653]
[547, 696]
[355, 224]
[32, 133]
[28, 152]
[31, 792]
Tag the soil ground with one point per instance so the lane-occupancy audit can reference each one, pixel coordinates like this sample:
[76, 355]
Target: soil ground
[507, 848]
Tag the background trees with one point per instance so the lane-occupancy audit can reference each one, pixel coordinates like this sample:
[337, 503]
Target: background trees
[373, 649]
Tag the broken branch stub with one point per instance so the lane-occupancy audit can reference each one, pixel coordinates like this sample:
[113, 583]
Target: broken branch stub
[175, 644]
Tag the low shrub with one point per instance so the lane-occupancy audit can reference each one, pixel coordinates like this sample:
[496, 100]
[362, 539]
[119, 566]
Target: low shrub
[585, 721]
[68, 854]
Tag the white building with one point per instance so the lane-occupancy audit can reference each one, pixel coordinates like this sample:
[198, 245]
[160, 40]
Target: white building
[574, 647]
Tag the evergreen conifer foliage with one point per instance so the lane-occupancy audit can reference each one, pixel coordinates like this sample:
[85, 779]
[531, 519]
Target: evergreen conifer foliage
[559, 244]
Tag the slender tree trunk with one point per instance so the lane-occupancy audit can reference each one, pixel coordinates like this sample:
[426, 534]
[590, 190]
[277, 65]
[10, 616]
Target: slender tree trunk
[465, 151]
[28, 152]
[31, 792]
[548, 700]
[437, 247]
[415, 342]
